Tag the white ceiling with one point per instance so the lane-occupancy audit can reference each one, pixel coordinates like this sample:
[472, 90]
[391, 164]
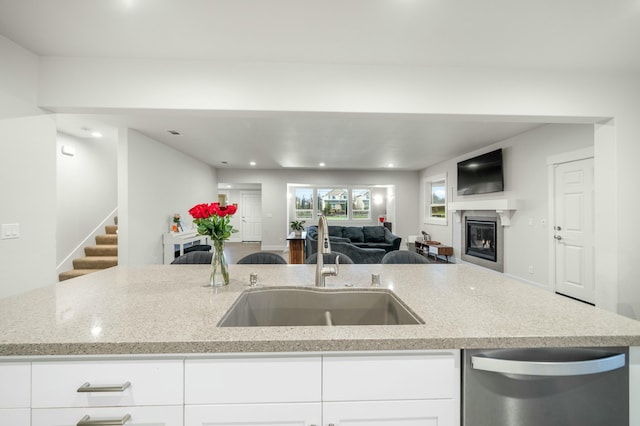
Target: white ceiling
[550, 34]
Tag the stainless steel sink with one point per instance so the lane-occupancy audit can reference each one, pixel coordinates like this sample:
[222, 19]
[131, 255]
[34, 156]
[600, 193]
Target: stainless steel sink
[303, 306]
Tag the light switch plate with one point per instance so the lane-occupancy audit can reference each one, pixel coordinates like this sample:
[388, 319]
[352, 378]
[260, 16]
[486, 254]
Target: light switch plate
[10, 230]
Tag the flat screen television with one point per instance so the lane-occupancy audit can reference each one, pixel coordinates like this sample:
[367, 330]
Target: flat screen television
[481, 174]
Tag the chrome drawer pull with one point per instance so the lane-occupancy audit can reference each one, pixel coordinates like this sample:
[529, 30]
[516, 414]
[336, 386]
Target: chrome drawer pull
[86, 421]
[86, 387]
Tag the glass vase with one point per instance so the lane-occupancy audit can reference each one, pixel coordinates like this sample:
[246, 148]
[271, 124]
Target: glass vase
[219, 267]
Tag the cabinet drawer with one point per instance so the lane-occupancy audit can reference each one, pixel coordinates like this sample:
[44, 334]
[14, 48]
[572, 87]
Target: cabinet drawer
[157, 382]
[140, 416]
[15, 385]
[391, 377]
[253, 380]
[15, 417]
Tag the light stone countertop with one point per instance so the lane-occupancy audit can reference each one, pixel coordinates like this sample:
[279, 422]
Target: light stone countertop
[168, 309]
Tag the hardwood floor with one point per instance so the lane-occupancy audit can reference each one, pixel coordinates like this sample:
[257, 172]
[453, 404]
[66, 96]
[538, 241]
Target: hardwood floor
[236, 251]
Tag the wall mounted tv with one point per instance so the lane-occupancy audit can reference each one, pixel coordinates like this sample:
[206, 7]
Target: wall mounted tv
[481, 174]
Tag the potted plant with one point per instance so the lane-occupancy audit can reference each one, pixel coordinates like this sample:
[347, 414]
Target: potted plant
[297, 227]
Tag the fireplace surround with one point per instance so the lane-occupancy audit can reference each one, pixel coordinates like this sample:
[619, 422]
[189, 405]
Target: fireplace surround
[482, 239]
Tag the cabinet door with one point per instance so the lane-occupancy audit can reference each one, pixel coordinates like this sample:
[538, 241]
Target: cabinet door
[391, 413]
[308, 414]
[15, 417]
[15, 385]
[139, 416]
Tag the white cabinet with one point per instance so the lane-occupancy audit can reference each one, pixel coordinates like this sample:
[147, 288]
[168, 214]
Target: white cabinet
[295, 414]
[391, 413]
[253, 380]
[116, 383]
[15, 394]
[142, 392]
[392, 390]
[129, 416]
[254, 391]
[419, 389]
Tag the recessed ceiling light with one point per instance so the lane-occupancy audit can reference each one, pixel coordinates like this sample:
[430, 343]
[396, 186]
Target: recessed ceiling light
[253, 163]
[96, 134]
[390, 165]
[321, 164]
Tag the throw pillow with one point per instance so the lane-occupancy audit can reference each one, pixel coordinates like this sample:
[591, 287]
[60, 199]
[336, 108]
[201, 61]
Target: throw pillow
[354, 233]
[373, 234]
[312, 232]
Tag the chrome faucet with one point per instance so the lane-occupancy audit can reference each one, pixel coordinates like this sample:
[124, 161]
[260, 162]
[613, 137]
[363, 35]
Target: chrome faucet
[324, 247]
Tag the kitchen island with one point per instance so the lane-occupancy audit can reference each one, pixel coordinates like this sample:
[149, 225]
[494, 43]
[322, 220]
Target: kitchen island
[154, 327]
[160, 309]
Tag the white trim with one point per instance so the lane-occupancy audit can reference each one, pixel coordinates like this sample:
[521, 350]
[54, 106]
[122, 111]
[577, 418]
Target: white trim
[567, 157]
[426, 211]
[504, 207]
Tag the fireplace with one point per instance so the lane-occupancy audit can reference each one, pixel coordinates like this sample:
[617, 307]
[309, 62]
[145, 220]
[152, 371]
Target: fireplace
[481, 238]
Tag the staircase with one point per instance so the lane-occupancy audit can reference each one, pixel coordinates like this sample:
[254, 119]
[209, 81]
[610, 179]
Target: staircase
[101, 256]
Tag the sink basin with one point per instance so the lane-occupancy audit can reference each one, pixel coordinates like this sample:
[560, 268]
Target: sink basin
[303, 306]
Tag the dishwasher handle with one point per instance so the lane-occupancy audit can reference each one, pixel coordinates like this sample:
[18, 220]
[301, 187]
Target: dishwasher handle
[546, 368]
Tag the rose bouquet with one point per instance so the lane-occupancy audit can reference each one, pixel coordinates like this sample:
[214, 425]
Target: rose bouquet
[213, 220]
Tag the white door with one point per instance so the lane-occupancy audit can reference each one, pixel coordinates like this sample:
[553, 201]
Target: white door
[251, 217]
[392, 413]
[574, 230]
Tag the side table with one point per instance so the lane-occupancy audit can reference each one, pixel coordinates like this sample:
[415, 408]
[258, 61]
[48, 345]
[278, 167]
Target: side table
[296, 247]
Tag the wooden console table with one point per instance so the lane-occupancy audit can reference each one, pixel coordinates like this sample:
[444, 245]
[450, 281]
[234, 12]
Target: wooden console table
[429, 248]
[296, 247]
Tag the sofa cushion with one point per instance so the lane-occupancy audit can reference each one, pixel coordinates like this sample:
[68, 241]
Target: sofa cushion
[373, 234]
[354, 233]
[336, 231]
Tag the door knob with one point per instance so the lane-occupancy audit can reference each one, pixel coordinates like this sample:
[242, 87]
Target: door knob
[557, 228]
[557, 237]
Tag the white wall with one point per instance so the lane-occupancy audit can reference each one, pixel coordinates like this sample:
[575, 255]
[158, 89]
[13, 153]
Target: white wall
[18, 81]
[28, 191]
[155, 182]
[86, 188]
[275, 224]
[525, 177]
[28, 198]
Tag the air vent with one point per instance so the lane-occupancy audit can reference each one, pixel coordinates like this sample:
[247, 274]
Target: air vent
[174, 132]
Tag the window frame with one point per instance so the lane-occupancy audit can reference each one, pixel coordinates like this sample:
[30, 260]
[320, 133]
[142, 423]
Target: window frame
[428, 218]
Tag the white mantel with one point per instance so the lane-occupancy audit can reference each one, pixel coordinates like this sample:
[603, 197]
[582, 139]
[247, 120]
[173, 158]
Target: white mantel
[503, 207]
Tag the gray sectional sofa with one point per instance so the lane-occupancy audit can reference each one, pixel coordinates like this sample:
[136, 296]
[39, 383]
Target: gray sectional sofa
[363, 244]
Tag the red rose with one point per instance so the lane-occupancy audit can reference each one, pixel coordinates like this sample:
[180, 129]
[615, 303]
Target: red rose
[199, 211]
[232, 209]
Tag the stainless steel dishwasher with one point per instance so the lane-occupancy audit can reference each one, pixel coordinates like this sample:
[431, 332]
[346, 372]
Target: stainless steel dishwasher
[546, 386]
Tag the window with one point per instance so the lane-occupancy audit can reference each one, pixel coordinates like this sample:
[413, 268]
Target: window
[304, 203]
[361, 204]
[333, 203]
[436, 200]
